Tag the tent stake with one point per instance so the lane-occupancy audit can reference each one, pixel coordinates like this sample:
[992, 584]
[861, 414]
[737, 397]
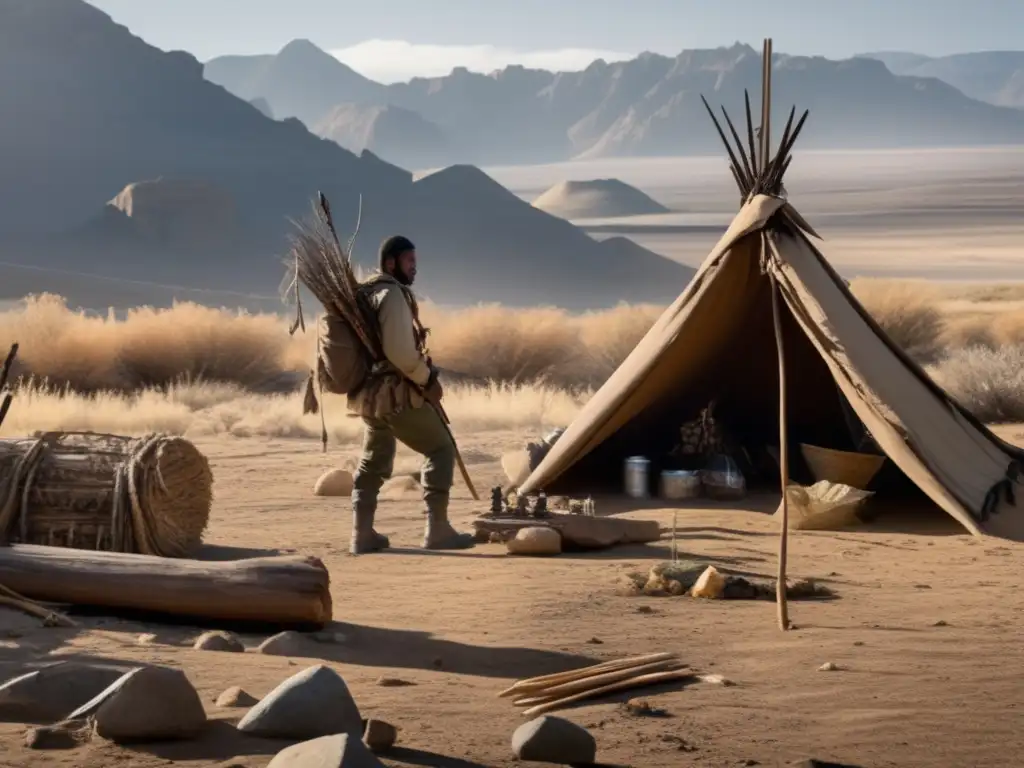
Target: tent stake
[780, 581]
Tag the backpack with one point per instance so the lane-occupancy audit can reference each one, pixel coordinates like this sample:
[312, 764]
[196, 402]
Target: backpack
[342, 361]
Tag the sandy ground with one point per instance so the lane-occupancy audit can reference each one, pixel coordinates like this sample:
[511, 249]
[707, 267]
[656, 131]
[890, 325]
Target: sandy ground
[925, 633]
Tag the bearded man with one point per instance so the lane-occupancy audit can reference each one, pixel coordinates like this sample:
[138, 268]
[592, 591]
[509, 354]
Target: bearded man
[396, 404]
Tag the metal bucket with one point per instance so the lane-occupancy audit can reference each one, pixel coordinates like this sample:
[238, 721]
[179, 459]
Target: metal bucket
[680, 484]
[636, 477]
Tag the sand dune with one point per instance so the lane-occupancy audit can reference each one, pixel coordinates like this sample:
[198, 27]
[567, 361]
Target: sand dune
[597, 198]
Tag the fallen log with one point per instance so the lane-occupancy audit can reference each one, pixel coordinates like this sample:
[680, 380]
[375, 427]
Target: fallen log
[582, 531]
[287, 590]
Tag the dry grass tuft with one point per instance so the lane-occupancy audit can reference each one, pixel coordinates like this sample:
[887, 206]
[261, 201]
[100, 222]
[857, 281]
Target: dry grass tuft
[988, 382]
[908, 311]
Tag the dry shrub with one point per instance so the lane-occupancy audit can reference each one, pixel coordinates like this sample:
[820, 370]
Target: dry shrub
[610, 336]
[968, 330]
[148, 347]
[908, 311]
[987, 382]
[496, 343]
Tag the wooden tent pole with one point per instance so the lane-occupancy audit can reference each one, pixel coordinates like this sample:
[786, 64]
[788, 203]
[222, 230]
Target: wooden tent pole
[780, 582]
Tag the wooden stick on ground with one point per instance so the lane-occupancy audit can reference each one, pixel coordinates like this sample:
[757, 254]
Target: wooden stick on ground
[588, 683]
[535, 683]
[633, 682]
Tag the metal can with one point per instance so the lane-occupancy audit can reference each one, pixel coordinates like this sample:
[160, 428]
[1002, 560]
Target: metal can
[636, 477]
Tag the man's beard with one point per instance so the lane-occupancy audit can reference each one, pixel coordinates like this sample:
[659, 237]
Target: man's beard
[402, 277]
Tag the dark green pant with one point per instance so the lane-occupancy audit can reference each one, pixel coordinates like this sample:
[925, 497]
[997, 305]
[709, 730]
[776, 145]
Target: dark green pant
[420, 429]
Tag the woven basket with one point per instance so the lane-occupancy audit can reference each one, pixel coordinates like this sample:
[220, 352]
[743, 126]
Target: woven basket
[844, 467]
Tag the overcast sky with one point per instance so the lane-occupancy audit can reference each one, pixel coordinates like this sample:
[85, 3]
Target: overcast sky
[396, 39]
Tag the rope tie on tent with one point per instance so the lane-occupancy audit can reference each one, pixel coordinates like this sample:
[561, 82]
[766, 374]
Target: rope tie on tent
[1001, 490]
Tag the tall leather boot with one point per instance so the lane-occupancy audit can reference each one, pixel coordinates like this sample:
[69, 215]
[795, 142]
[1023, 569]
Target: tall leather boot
[439, 533]
[364, 538]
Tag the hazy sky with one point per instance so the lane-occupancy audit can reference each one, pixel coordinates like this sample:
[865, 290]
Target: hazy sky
[396, 39]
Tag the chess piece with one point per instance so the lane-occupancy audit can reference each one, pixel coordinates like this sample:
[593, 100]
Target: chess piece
[520, 506]
[540, 509]
[496, 500]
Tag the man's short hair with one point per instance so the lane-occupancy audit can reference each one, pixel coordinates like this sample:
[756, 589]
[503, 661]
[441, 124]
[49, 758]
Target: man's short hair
[394, 247]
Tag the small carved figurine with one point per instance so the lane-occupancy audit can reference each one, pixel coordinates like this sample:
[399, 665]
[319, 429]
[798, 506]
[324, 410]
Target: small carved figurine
[540, 509]
[496, 500]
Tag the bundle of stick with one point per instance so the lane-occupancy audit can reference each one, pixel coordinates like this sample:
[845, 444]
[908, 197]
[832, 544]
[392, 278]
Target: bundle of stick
[549, 692]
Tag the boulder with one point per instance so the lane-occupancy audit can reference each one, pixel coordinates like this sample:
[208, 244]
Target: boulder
[379, 736]
[537, 540]
[287, 643]
[334, 482]
[236, 696]
[312, 703]
[340, 750]
[554, 740]
[146, 704]
[217, 640]
[50, 693]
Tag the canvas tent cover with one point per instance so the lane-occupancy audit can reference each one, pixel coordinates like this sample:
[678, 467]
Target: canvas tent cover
[717, 340]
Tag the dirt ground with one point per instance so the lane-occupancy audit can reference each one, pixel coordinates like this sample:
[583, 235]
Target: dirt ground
[925, 635]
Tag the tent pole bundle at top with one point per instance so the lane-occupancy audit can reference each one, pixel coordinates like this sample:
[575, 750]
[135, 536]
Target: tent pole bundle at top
[766, 263]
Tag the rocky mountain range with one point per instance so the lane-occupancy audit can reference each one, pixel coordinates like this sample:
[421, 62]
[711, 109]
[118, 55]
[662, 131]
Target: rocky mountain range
[107, 141]
[649, 105]
[993, 76]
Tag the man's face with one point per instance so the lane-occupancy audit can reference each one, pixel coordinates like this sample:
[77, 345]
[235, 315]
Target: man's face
[405, 268]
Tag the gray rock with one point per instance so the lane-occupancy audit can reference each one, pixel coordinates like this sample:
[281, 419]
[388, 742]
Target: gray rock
[379, 736]
[146, 704]
[217, 640]
[50, 693]
[312, 703]
[340, 750]
[812, 763]
[235, 697]
[289, 643]
[554, 740]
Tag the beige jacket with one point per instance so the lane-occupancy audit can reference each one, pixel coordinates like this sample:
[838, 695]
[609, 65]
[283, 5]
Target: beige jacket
[388, 389]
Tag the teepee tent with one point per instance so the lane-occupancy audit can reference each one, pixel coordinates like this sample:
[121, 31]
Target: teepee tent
[770, 331]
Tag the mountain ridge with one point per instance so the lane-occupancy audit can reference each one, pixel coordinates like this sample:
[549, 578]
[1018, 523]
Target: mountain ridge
[650, 105]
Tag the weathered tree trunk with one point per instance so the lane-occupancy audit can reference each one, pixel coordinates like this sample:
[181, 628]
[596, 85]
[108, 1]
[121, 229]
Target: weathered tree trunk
[290, 590]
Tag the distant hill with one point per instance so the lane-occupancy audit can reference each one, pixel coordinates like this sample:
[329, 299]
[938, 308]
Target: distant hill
[400, 135]
[89, 109]
[649, 105]
[996, 77]
[596, 198]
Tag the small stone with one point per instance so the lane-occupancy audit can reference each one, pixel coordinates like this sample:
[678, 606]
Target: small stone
[643, 708]
[393, 682]
[554, 740]
[146, 638]
[49, 694]
[288, 643]
[380, 736]
[715, 679]
[217, 640]
[146, 704]
[644, 609]
[828, 666]
[312, 703]
[64, 735]
[236, 696]
[340, 750]
[858, 643]
[940, 623]
[595, 641]
[334, 482]
[812, 763]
